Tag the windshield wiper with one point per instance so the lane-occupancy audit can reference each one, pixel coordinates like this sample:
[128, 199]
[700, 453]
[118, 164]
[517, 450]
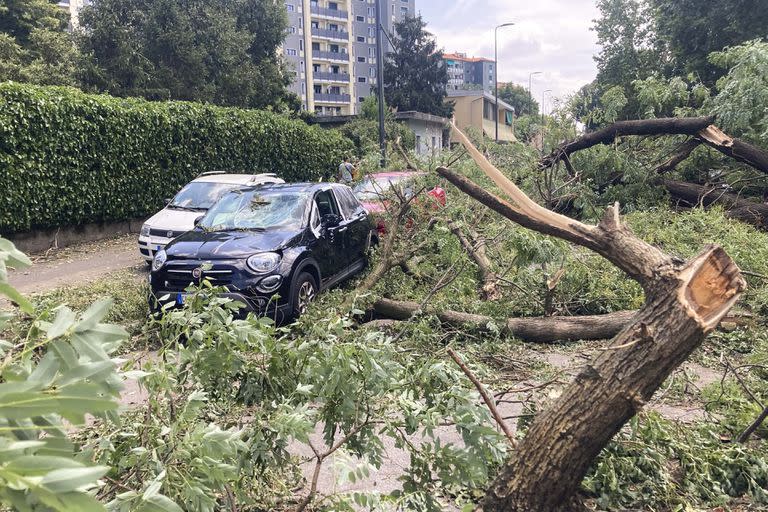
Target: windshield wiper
[186, 208]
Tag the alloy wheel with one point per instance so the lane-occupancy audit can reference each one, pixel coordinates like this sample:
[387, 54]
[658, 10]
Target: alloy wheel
[306, 295]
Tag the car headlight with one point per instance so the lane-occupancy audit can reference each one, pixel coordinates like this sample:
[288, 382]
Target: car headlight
[159, 261]
[145, 230]
[264, 262]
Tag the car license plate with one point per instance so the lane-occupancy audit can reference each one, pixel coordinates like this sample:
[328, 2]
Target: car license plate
[181, 298]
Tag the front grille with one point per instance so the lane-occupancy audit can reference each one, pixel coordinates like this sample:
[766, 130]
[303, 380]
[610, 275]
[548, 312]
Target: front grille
[165, 233]
[181, 278]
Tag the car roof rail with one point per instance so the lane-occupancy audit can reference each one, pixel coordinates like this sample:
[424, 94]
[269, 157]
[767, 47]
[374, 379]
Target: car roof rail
[210, 173]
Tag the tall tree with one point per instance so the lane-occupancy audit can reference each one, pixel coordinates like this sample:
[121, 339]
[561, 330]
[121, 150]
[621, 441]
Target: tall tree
[414, 75]
[692, 29]
[35, 45]
[520, 98]
[218, 51]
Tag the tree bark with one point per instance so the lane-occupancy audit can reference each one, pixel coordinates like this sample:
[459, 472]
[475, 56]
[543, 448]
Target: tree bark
[663, 126]
[738, 208]
[684, 302]
[548, 329]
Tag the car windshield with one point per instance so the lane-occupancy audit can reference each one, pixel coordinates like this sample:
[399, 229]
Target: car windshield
[201, 195]
[257, 210]
[373, 187]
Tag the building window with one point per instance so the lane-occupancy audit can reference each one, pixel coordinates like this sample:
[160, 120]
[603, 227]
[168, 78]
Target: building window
[371, 32]
[371, 52]
[371, 11]
[290, 7]
[360, 99]
[301, 44]
[372, 72]
[360, 39]
[333, 6]
[290, 52]
[361, 59]
[291, 30]
[404, 11]
[434, 142]
[360, 18]
[361, 79]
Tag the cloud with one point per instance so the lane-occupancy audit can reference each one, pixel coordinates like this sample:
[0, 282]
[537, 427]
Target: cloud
[552, 36]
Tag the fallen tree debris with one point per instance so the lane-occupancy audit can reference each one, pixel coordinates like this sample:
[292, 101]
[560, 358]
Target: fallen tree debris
[547, 329]
[684, 302]
[474, 245]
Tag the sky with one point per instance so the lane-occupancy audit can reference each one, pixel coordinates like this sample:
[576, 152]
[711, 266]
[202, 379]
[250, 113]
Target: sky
[551, 36]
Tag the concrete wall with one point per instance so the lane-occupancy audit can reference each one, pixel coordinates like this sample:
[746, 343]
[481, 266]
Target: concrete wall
[40, 241]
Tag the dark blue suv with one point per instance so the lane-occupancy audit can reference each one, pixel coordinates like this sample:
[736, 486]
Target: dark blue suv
[272, 247]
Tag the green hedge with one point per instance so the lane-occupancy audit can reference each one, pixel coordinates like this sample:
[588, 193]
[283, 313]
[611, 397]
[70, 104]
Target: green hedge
[69, 158]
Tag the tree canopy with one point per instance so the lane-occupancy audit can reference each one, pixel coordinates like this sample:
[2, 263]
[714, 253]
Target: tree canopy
[34, 44]
[667, 38]
[414, 75]
[216, 51]
[520, 98]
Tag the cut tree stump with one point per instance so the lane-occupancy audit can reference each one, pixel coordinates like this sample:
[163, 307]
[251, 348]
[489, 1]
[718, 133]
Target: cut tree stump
[684, 301]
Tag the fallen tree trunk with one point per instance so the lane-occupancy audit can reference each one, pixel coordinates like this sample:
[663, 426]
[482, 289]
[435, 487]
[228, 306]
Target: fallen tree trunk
[684, 302]
[692, 194]
[735, 148]
[662, 126]
[548, 329]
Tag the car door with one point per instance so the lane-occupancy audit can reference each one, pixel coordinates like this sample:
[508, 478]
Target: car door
[329, 248]
[356, 228]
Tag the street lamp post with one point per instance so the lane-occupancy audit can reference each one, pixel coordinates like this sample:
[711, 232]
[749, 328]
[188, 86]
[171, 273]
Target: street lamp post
[530, 93]
[496, 71]
[543, 94]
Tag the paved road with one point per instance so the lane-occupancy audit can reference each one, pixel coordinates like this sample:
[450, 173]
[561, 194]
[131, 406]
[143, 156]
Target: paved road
[77, 265]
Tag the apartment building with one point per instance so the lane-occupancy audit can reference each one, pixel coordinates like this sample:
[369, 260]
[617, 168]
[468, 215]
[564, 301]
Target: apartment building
[331, 45]
[468, 73]
[72, 7]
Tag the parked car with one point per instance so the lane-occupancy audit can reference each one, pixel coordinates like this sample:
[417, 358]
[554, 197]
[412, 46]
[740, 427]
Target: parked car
[373, 190]
[273, 248]
[192, 201]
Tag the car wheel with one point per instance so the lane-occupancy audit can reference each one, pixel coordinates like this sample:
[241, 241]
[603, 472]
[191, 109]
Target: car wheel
[305, 292]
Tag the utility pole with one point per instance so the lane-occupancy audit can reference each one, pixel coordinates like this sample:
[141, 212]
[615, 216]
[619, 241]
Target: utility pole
[543, 95]
[496, 71]
[380, 84]
[530, 93]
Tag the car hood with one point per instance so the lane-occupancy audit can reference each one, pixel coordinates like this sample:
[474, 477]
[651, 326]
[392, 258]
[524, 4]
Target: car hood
[169, 219]
[203, 245]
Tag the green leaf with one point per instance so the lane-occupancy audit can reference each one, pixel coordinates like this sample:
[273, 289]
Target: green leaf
[159, 503]
[70, 479]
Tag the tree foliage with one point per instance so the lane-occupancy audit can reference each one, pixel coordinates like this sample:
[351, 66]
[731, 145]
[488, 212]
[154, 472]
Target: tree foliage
[35, 46]
[223, 52]
[520, 98]
[414, 75]
[643, 39]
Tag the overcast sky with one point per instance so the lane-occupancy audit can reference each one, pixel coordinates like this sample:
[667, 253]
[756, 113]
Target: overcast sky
[552, 36]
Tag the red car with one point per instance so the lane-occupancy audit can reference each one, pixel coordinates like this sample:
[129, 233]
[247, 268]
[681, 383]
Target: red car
[372, 191]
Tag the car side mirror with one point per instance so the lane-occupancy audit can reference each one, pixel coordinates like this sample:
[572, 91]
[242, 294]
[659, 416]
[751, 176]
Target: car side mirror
[198, 219]
[330, 220]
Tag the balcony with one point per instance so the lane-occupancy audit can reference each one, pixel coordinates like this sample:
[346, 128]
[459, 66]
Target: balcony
[319, 54]
[330, 34]
[330, 13]
[331, 77]
[332, 98]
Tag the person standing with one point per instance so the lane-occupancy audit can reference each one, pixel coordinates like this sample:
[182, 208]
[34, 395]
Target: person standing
[346, 172]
